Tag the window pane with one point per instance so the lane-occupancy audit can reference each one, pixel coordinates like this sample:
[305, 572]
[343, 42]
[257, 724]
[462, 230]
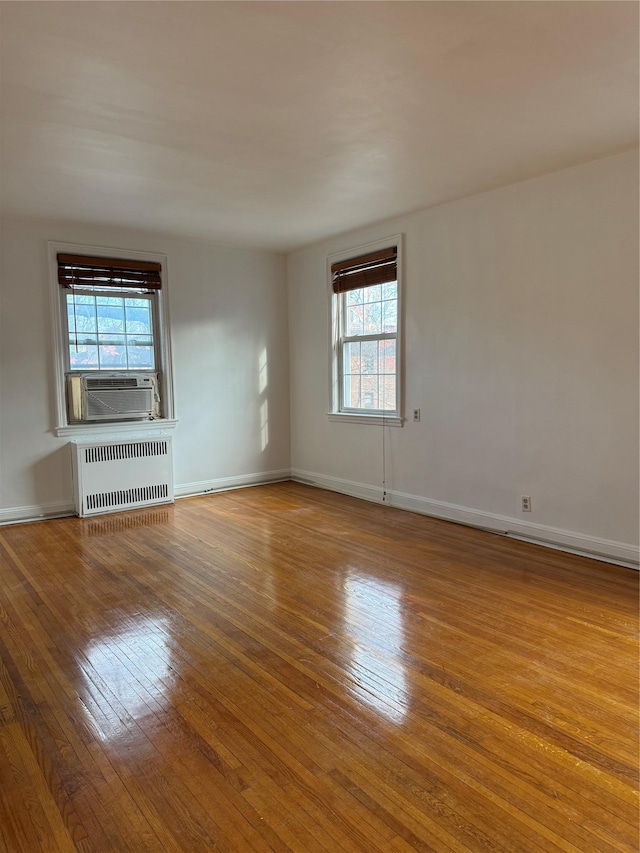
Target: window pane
[351, 396]
[71, 320]
[138, 317]
[352, 367]
[84, 357]
[81, 315]
[390, 316]
[369, 357]
[373, 293]
[387, 356]
[370, 392]
[83, 318]
[110, 314]
[373, 318]
[112, 352]
[140, 351]
[355, 320]
[351, 362]
[355, 297]
[388, 393]
[390, 290]
[140, 356]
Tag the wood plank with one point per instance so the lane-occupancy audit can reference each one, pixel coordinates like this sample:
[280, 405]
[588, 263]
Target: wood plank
[37, 823]
[283, 668]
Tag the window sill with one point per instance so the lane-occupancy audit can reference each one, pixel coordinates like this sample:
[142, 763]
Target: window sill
[121, 428]
[372, 420]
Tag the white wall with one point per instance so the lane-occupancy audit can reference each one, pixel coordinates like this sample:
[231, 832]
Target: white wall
[521, 348]
[228, 309]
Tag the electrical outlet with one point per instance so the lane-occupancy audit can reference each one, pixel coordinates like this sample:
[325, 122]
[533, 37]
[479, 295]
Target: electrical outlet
[526, 503]
[416, 415]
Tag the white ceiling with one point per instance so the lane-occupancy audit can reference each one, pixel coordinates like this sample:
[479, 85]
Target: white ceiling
[275, 124]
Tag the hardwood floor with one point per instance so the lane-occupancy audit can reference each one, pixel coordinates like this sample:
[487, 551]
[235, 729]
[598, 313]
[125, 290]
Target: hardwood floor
[286, 669]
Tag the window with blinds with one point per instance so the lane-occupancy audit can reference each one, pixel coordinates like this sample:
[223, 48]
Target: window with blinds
[110, 313]
[366, 325]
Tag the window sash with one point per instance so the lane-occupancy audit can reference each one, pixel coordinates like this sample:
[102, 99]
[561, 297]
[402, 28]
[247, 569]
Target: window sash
[383, 336]
[343, 341]
[343, 407]
[119, 294]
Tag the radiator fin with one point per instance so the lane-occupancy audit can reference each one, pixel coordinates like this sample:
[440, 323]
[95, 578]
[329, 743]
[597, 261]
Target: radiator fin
[126, 497]
[126, 450]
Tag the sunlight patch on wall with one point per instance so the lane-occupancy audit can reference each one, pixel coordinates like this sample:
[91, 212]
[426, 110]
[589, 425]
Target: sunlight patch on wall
[264, 424]
[263, 381]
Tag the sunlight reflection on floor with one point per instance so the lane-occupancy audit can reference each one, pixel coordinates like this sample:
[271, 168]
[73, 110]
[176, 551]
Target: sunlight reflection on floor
[374, 623]
[129, 673]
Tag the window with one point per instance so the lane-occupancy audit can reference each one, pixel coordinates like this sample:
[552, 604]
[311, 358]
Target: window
[366, 376]
[110, 313]
[110, 316]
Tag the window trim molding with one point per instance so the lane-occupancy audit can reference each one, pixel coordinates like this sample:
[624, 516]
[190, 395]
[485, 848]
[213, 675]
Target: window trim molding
[61, 425]
[376, 418]
[106, 429]
[358, 418]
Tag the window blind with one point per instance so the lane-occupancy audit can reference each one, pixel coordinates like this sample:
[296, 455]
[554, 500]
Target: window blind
[373, 268]
[77, 271]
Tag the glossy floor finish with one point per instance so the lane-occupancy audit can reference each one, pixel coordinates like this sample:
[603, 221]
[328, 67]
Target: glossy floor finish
[286, 669]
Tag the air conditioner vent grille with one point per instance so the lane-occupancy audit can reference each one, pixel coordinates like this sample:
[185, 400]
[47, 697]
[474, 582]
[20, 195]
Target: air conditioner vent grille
[94, 382]
[125, 497]
[125, 450]
[113, 402]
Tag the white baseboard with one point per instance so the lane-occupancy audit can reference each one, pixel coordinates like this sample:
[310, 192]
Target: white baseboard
[620, 553]
[203, 487]
[337, 484]
[36, 512]
[58, 509]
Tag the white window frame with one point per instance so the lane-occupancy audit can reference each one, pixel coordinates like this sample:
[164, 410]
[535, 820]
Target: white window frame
[335, 337]
[162, 347]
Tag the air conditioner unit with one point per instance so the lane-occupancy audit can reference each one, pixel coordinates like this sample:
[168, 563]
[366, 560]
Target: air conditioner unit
[112, 397]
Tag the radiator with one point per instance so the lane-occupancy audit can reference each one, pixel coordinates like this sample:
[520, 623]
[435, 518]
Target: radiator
[109, 476]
